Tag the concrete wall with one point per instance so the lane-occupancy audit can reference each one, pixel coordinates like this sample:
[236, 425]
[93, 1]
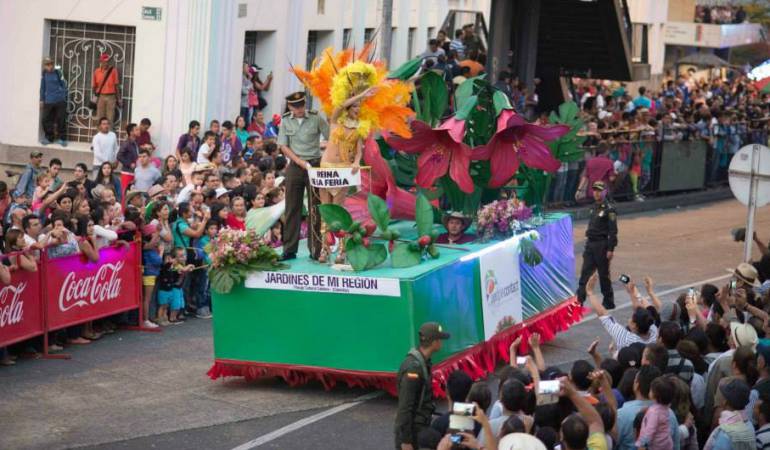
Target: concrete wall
[653, 13]
[23, 45]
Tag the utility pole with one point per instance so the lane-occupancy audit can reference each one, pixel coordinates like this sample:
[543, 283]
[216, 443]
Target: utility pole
[387, 29]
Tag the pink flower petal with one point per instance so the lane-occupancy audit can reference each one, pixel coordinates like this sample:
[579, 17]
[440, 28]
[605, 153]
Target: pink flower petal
[502, 119]
[504, 161]
[548, 133]
[422, 137]
[480, 153]
[537, 155]
[459, 168]
[431, 165]
[456, 128]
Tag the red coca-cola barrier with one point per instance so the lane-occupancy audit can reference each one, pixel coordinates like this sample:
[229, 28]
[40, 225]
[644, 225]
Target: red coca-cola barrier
[21, 308]
[78, 291]
[69, 291]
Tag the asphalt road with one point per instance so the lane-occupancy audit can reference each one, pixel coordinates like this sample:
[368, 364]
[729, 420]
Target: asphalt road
[140, 390]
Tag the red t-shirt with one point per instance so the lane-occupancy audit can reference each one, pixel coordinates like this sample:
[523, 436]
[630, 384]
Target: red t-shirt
[599, 168]
[235, 223]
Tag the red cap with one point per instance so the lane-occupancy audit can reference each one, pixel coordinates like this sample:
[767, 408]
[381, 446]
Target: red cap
[104, 57]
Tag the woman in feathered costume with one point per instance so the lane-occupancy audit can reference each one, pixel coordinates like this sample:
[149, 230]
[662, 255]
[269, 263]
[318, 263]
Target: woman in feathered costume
[359, 100]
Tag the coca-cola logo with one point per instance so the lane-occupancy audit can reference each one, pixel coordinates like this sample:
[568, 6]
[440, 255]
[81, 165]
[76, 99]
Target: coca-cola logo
[11, 305]
[100, 287]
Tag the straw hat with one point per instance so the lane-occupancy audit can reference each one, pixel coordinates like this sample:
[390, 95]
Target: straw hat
[457, 215]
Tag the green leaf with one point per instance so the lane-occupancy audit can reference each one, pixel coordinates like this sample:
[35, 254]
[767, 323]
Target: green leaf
[335, 213]
[221, 280]
[529, 252]
[501, 102]
[466, 106]
[423, 212]
[435, 97]
[568, 111]
[377, 255]
[402, 256]
[357, 255]
[406, 70]
[378, 209]
[466, 89]
[416, 104]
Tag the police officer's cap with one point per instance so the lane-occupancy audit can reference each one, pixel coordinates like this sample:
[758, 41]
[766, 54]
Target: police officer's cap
[296, 98]
[599, 186]
[432, 331]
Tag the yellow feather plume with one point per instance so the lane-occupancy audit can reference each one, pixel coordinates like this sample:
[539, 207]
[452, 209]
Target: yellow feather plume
[337, 77]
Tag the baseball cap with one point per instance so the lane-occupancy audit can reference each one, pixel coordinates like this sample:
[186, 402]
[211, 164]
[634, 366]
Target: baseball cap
[598, 186]
[743, 334]
[36, 154]
[629, 357]
[431, 331]
[520, 441]
[736, 393]
[220, 191]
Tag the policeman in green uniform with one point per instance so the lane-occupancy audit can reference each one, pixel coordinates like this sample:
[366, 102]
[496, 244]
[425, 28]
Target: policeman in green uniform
[299, 137]
[415, 387]
[601, 240]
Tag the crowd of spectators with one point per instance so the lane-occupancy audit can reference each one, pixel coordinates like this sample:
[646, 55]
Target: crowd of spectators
[720, 14]
[690, 374]
[229, 175]
[625, 131]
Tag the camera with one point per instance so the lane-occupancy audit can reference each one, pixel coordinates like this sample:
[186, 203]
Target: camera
[463, 409]
[625, 279]
[549, 387]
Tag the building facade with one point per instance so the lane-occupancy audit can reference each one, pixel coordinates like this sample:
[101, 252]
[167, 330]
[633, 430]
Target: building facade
[181, 60]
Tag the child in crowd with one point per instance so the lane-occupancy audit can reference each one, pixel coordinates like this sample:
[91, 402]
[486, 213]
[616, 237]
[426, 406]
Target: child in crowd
[151, 261]
[170, 295]
[274, 236]
[209, 237]
[44, 181]
[274, 196]
[655, 432]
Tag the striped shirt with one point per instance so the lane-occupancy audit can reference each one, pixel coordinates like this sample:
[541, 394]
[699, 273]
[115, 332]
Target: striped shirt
[623, 337]
[679, 366]
[763, 437]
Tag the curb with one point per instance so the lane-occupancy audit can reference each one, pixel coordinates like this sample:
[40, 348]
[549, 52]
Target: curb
[657, 203]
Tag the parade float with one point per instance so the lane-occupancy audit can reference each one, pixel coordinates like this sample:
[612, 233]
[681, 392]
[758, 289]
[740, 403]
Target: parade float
[354, 322]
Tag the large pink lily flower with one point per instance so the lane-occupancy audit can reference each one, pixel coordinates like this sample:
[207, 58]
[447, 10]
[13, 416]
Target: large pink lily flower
[441, 150]
[380, 182]
[518, 141]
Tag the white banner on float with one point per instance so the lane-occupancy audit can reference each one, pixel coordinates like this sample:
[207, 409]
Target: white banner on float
[315, 282]
[338, 177]
[500, 287]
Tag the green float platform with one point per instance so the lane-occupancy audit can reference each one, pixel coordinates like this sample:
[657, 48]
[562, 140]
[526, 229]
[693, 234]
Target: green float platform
[301, 334]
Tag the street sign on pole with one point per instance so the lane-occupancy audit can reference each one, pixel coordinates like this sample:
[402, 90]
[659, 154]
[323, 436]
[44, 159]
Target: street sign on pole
[749, 176]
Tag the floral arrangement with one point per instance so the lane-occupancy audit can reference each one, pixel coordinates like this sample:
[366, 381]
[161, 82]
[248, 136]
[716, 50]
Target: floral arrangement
[501, 219]
[234, 254]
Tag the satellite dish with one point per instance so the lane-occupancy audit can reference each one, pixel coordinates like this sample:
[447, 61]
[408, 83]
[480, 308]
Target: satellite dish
[752, 162]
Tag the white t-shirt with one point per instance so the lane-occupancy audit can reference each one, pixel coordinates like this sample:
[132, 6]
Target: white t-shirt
[104, 236]
[203, 154]
[105, 147]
